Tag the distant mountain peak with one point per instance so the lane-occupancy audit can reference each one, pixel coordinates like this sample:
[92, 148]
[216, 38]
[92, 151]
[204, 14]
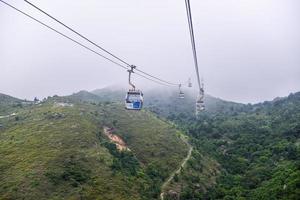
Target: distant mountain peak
[84, 95]
[8, 98]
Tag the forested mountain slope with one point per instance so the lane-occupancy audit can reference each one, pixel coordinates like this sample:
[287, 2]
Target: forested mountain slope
[252, 149]
[58, 150]
[240, 151]
[258, 150]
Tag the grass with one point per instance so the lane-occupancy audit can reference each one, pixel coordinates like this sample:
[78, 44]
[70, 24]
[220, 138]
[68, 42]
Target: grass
[58, 152]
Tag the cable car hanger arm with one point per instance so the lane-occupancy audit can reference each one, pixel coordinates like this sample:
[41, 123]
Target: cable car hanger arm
[130, 71]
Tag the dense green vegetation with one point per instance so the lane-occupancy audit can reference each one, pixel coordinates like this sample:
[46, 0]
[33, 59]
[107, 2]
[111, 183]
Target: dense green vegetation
[257, 148]
[57, 150]
[240, 151]
[195, 178]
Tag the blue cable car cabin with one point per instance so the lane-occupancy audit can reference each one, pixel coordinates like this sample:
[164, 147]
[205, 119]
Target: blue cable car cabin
[134, 100]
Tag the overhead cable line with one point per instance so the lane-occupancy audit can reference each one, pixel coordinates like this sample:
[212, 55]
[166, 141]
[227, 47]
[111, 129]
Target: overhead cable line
[155, 81]
[172, 84]
[78, 43]
[77, 33]
[98, 46]
[62, 34]
[191, 28]
[200, 106]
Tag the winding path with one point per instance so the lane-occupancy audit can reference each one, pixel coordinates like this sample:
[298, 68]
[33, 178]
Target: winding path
[183, 163]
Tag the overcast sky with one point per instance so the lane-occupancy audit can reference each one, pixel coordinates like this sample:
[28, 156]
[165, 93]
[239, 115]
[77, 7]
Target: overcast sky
[248, 50]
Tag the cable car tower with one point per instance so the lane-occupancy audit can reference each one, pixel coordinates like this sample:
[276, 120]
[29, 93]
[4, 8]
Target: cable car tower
[200, 98]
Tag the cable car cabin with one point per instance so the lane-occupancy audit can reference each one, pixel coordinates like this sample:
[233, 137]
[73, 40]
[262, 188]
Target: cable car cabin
[190, 83]
[200, 105]
[134, 100]
[181, 95]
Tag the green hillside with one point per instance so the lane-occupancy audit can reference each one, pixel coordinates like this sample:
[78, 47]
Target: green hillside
[58, 150]
[8, 99]
[8, 104]
[257, 149]
[110, 94]
[84, 96]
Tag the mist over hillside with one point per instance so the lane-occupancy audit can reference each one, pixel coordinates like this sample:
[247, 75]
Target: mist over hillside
[236, 150]
[149, 100]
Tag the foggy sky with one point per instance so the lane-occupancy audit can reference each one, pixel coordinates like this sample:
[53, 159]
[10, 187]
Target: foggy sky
[248, 50]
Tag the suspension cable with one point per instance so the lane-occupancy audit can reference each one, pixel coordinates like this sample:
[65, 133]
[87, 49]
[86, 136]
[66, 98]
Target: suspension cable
[172, 84]
[62, 34]
[98, 46]
[77, 33]
[80, 44]
[155, 81]
[191, 28]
